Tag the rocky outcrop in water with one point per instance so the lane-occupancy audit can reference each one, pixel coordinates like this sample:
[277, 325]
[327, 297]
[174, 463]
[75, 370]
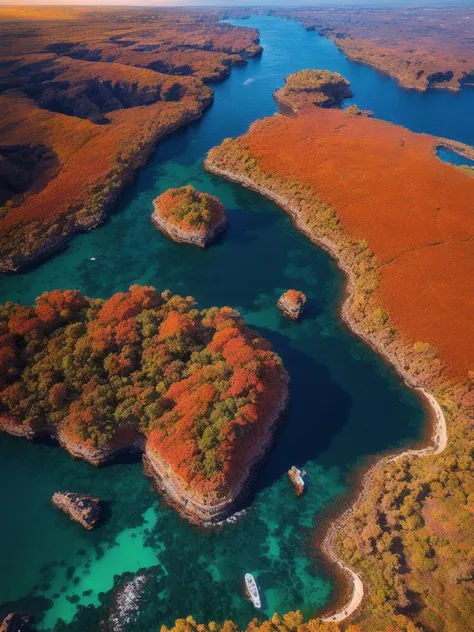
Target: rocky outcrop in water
[313, 87]
[296, 478]
[189, 216]
[84, 509]
[126, 603]
[292, 303]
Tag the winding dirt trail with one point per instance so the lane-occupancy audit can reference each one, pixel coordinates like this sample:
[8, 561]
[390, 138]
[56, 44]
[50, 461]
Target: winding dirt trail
[439, 437]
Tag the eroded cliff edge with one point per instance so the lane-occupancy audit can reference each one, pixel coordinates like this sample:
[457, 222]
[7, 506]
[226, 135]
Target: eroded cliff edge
[197, 392]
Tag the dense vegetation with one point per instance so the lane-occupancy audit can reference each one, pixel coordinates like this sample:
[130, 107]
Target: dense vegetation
[189, 209]
[96, 89]
[290, 622]
[313, 87]
[411, 536]
[198, 384]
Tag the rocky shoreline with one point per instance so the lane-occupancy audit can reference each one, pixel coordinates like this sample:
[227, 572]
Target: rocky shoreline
[189, 505]
[196, 509]
[438, 439]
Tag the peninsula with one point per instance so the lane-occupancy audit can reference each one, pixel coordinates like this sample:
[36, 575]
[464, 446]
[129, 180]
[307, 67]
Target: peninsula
[406, 253]
[189, 216]
[196, 391]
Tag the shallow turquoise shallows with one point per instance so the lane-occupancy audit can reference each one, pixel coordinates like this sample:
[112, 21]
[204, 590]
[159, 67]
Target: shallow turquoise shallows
[346, 403]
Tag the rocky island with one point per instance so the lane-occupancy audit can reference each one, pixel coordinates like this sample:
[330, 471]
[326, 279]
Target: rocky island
[399, 265]
[81, 508]
[313, 87]
[189, 216]
[197, 391]
[292, 303]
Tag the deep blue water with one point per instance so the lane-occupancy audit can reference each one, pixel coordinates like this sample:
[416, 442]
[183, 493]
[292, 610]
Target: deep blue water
[346, 403]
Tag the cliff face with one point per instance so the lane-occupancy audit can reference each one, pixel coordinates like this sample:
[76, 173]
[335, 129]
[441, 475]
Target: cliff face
[188, 236]
[191, 381]
[212, 508]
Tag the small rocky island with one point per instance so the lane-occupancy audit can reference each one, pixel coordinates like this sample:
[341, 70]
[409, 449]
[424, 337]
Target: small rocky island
[313, 87]
[188, 216]
[83, 509]
[292, 303]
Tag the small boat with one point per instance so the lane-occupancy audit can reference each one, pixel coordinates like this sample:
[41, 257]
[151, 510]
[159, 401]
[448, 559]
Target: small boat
[252, 590]
[92, 258]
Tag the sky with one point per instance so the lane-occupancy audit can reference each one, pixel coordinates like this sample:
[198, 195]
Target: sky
[236, 3]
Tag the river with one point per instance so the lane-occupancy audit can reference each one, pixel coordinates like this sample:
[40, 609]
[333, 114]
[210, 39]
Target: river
[346, 402]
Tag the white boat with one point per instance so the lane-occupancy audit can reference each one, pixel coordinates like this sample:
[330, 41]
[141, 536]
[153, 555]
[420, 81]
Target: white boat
[251, 586]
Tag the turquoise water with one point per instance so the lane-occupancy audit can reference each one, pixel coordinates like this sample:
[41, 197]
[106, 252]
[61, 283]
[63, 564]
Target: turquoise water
[346, 403]
[451, 156]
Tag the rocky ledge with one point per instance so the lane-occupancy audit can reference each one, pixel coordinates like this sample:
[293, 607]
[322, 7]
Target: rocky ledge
[313, 87]
[85, 510]
[189, 216]
[15, 622]
[292, 303]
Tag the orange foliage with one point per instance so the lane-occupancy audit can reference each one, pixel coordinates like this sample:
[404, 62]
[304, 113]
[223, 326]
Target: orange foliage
[140, 363]
[419, 222]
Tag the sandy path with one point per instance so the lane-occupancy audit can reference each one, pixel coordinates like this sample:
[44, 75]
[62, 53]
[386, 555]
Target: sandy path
[439, 441]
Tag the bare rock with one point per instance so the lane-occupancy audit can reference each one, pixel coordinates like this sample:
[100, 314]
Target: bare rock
[83, 509]
[292, 303]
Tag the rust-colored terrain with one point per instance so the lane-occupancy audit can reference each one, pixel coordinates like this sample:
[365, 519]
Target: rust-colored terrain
[400, 222]
[429, 47]
[388, 188]
[85, 95]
